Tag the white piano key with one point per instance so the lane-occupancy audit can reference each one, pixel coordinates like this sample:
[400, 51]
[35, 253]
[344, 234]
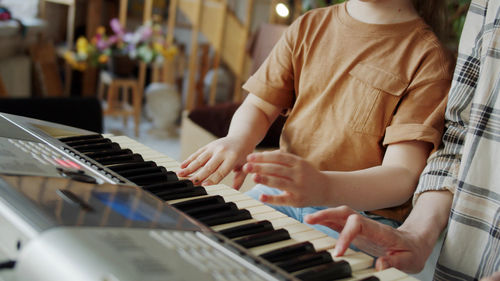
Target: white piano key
[307, 235]
[357, 260]
[271, 247]
[242, 197]
[232, 224]
[185, 199]
[222, 192]
[323, 243]
[282, 222]
[268, 215]
[262, 209]
[298, 227]
[220, 187]
[245, 204]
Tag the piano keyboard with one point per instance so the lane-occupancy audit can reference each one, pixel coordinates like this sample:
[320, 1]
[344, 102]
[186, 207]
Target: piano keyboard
[304, 252]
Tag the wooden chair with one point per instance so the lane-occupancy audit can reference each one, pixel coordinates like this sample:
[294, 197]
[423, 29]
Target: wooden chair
[43, 55]
[118, 101]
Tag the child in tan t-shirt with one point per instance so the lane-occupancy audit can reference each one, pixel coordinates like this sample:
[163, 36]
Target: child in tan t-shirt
[364, 84]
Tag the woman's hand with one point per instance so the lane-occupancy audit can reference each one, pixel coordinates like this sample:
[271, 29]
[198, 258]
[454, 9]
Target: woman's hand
[211, 163]
[394, 247]
[290, 173]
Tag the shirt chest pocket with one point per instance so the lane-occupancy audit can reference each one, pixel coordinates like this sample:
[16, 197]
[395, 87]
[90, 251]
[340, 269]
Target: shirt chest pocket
[376, 94]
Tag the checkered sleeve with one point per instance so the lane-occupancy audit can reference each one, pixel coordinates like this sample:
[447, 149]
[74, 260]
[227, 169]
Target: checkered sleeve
[443, 165]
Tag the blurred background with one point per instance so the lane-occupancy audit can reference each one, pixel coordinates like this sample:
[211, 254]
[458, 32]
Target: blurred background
[167, 72]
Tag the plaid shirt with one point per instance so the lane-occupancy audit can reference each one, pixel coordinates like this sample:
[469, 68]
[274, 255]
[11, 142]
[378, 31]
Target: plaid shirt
[468, 163]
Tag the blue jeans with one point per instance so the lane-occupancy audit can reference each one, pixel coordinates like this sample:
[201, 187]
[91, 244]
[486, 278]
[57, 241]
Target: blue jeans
[300, 213]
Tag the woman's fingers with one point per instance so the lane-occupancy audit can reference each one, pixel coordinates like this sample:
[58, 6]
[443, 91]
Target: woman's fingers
[352, 228]
[394, 247]
[405, 261]
[336, 219]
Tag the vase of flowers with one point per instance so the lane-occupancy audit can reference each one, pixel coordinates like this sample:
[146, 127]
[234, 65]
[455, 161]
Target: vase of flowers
[121, 65]
[120, 51]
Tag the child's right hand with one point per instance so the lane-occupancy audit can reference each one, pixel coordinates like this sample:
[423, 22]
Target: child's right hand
[213, 162]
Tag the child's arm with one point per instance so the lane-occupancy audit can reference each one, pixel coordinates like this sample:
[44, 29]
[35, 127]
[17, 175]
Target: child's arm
[390, 184]
[211, 163]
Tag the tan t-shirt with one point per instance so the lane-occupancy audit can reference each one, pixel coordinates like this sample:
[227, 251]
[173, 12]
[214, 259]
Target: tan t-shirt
[352, 88]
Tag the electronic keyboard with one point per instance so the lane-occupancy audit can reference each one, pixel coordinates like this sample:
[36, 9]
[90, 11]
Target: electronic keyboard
[84, 206]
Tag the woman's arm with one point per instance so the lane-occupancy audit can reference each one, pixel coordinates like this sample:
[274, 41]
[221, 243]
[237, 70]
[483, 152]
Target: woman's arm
[390, 184]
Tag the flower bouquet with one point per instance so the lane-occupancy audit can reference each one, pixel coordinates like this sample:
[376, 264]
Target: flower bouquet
[120, 50]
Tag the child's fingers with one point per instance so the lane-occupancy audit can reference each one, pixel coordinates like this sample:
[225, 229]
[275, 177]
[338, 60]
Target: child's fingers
[206, 169]
[215, 170]
[195, 164]
[273, 181]
[268, 169]
[191, 157]
[275, 199]
[239, 178]
[275, 156]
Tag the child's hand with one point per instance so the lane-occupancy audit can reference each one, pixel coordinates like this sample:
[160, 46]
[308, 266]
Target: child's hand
[211, 163]
[302, 183]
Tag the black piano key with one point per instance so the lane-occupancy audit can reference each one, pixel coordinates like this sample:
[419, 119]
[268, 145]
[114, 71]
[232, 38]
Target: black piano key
[370, 278]
[305, 261]
[119, 167]
[88, 141]
[142, 171]
[172, 191]
[197, 191]
[208, 210]
[247, 229]
[226, 217]
[263, 238]
[158, 177]
[189, 204]
[158, 187]
[120, 159]
[289, 252]
[328, 271]
[97, 147]
[84, 137]
[107, 153]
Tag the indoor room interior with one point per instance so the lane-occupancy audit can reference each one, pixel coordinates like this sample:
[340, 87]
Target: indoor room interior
[166, 74]
[190, 68]
[206, 51]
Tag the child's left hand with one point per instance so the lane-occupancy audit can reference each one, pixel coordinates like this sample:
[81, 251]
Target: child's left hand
[302, 183]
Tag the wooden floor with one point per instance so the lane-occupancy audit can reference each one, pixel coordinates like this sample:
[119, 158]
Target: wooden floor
[165, 142]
